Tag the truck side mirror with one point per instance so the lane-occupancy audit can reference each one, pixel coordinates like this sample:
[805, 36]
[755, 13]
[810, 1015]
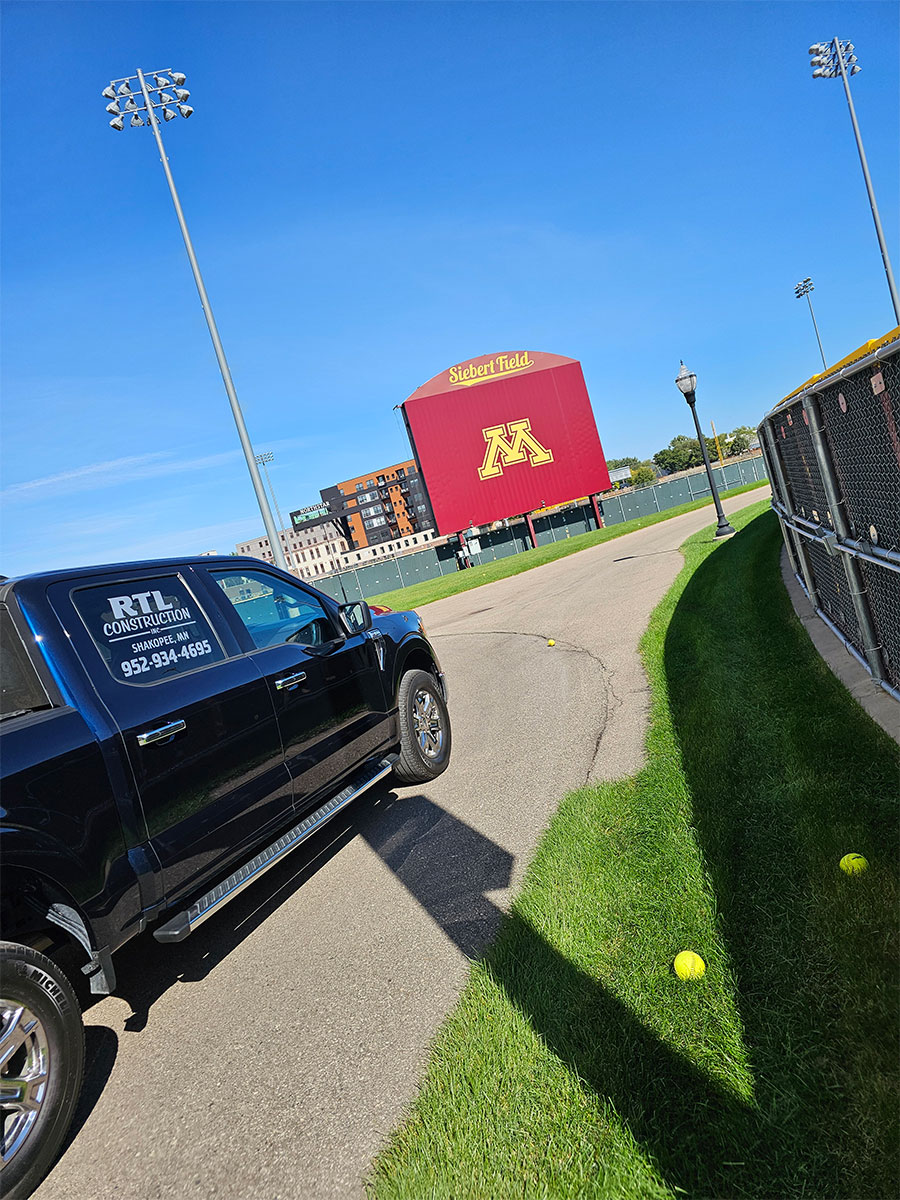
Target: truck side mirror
[356, 616]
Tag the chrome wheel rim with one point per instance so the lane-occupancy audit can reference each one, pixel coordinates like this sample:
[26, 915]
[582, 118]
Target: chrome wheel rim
[24, 1074]
[428, 724]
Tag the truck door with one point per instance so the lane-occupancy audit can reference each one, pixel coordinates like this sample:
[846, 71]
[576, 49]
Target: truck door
[326, 686]
[195, 716]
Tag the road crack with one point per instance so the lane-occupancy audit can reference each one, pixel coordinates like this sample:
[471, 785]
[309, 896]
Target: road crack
[611, 700]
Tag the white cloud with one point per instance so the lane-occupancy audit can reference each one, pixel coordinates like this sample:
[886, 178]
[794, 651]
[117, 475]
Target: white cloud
[110, 473]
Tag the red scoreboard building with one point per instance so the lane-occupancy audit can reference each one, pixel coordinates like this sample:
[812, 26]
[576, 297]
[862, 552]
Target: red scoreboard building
[502, 435]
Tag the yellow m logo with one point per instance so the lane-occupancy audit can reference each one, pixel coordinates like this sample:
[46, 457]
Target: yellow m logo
[508, 444]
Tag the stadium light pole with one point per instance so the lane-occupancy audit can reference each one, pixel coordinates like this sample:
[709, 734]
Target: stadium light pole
[803, 288]
[830, 59]
[686, 383]
[168, 89]
[264, 459]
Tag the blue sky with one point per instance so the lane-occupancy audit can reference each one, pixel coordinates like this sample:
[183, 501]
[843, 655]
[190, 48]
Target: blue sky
[377, 191]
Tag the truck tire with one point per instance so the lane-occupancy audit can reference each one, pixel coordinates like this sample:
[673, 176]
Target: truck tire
[41, 1065]
[424, 729]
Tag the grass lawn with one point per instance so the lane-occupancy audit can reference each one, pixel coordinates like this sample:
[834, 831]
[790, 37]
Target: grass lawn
[418, 594]
[576, 1063]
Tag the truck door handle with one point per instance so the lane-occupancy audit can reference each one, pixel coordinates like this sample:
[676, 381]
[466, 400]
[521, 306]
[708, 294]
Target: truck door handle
[162, 733]
[290, 681]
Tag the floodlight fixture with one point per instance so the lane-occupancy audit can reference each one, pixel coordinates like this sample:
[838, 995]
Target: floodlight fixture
[161, 81]
[136, 120]
[113, 107]
[165, 98]
[833, 59]
[117, 123]
[169, 114]
[177, 78]
[109, 92]
[124, 88]
[185, 110]
[182, 94]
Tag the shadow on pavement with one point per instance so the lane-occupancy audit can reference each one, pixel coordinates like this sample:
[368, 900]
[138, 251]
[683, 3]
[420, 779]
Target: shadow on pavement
[443, 862]
[146, 970]
[101, 1046]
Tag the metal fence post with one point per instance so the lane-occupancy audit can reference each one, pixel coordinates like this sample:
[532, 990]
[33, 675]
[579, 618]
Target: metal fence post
[809, 579]
[855, 582]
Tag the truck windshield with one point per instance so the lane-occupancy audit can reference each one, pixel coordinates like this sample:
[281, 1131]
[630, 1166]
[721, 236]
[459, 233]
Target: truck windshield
[21, 691]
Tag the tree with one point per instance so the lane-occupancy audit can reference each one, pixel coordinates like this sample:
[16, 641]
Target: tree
[642, 475]
[739, 439]
[682, 453]
[615, 463]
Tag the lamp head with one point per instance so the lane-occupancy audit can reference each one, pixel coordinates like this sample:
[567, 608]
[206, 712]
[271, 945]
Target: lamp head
[686, 381]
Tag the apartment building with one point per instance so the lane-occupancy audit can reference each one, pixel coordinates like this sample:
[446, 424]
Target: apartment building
[310, 550]
[387, 505]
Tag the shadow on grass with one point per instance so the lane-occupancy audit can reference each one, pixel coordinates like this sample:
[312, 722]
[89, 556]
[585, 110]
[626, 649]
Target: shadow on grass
[448, 866]
[786, 775]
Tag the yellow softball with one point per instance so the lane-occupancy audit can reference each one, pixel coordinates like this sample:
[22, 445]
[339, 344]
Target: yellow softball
[689, 965]
[854, 864]
[550, 642]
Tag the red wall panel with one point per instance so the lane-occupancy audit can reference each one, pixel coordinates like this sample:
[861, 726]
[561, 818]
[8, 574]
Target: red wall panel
[505, 442]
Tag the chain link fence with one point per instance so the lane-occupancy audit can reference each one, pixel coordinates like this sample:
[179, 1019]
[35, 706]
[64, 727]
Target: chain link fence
[833, 453]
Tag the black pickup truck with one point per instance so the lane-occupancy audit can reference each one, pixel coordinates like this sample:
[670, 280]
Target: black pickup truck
[169, 731]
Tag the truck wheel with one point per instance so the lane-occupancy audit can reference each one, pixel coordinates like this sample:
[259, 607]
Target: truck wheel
[424, 729]
[41, 1064]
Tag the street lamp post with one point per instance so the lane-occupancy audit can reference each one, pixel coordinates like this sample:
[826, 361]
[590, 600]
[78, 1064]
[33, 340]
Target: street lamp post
[686, 382]
[803, 288]
[169, 91]
[830, 59]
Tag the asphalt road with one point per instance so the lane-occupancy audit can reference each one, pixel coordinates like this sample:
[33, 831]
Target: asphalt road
[270, 1053]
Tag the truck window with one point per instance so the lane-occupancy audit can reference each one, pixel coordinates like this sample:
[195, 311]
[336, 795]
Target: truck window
[273, 611]
[21, 691]
[148, 630]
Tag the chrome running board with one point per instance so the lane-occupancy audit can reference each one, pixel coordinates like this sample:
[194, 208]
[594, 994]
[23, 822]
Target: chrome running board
[178, 928]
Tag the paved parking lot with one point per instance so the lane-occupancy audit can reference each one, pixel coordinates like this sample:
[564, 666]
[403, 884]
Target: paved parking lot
[270, 1053]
